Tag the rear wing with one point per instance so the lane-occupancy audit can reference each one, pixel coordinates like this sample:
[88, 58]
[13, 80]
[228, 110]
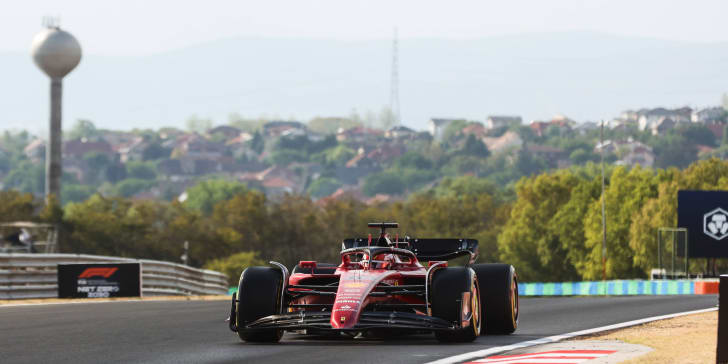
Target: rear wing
[427, 249]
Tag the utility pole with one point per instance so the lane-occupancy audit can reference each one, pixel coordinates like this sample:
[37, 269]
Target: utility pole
[394, 87]
[604, 214]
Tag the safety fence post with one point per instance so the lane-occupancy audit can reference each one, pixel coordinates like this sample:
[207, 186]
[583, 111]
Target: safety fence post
[722, 355]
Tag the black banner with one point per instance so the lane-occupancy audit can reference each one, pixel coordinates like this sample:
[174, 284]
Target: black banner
[705, 215]
[99, 280]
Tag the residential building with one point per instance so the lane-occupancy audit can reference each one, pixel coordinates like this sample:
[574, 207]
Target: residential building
[560, 122]
[476, 129]
[227, 131]
[399, 132]
[281, 128]
[77, 148]
[662, 125]
[35, 150]
[709, 115]
[630, 152]
[437, 127]
[648, 118]
[510, 140]
[494, 121]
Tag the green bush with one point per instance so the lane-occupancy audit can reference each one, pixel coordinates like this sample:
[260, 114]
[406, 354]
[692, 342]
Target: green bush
[233, 265]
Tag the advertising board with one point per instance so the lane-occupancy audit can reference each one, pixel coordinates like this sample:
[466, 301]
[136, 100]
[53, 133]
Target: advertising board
[99, 280]
[705, 215]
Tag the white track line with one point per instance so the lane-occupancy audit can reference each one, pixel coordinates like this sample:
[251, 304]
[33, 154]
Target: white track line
[3, 305]
[479, 354]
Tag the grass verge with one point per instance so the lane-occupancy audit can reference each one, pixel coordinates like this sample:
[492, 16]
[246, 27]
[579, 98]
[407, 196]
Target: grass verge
[684, 340]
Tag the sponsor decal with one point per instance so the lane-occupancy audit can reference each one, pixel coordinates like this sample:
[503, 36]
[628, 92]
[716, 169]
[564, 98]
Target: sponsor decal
[105, 272]
[343, 318]
[348, 301]
[354, 284]
[715, 224]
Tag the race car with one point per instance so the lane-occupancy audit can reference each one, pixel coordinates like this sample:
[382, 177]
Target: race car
[382, 285]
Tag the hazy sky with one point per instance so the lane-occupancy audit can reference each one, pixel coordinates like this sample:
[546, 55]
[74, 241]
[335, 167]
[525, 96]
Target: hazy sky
[134, 27]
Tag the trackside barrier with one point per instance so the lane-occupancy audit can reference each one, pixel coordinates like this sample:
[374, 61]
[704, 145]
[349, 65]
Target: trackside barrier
[34, 276]
[722, 355]
[617, 287]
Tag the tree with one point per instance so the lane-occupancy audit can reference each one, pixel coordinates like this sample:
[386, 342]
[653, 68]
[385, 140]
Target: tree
[674, 151]
[232, 266]
[16, 206]
[76, 193]
[155, 151]
[626, 195]
[453, 131]
[198, 125]
[697, 134]
[465, 186]
[83, 129]
[141, 170]
[475, 147]
[331, 125]
[205, 195]
[323, 187]
[98, 164]
[529, 240]
[414, 160]
[27, 177]
[384, 182]
[581, 156]
[131, 186]
[257, 143]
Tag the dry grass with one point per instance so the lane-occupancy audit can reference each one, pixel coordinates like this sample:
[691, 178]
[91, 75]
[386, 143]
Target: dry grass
[683, 340]
[86, 300]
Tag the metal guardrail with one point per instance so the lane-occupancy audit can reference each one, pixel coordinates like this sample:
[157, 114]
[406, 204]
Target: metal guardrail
[34, 276]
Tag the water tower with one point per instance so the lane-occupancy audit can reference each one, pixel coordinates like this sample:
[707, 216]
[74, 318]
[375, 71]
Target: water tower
[57, 53]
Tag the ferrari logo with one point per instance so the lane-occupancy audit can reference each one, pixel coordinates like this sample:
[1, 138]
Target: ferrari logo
[343, 318]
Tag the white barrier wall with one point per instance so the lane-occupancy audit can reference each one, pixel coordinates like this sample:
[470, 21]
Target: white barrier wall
[34, 276]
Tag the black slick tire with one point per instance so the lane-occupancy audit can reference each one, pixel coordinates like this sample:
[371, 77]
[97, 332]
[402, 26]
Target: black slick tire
[259, 295]
[447, 287]
[499, 290]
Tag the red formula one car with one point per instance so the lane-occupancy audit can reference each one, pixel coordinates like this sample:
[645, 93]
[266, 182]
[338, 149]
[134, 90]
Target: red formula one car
[381, 286]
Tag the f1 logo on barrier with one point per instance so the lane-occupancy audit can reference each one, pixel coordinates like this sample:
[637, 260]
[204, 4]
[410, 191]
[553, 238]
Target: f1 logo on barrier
[715, 224]
[105, 272]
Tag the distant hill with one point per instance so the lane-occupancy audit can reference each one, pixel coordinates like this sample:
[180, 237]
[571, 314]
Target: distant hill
[583, 75]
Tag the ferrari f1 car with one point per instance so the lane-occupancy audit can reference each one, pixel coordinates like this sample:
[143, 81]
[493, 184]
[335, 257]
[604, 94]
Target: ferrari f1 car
[382, 285]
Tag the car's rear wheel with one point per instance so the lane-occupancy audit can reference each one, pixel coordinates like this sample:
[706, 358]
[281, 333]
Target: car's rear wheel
[259, 295]
[499, 285]
[450, 286]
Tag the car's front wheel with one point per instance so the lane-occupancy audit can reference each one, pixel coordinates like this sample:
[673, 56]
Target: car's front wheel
[455, 297]
[259, 295]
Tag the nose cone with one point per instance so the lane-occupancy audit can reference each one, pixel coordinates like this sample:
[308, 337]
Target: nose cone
[56, 52]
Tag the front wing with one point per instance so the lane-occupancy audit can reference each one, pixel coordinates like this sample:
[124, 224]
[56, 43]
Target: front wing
[367, 320]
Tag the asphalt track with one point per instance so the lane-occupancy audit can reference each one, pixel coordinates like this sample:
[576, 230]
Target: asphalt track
[195, 332]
